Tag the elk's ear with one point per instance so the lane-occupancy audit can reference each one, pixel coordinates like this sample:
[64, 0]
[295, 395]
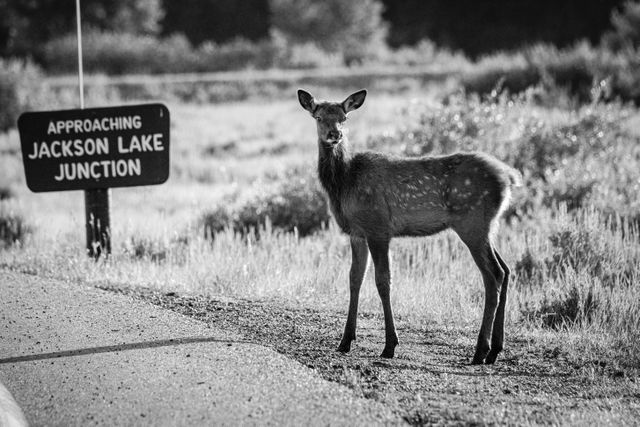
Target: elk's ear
[354, 101]
[306, 100]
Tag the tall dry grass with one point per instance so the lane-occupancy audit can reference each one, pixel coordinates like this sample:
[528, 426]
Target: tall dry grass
[572, 238]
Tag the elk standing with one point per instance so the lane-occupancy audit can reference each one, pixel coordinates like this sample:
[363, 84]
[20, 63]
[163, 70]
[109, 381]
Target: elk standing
[375, 197]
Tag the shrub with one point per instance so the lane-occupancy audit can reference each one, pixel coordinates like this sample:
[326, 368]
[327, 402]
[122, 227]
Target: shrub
[512, 73]
[237, 54]
[626, 27]
[125, 53]
[157, 249]
[119, 53]
[576, 70]
[587, 251]
[293, 203]
[13, 227]
[303, 55]
[583, 273]
[427, 52]
[6, 193]
[21, 89]
[572, 305]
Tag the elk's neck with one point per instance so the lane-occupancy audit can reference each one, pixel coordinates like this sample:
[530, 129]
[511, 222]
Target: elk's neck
[333, 164]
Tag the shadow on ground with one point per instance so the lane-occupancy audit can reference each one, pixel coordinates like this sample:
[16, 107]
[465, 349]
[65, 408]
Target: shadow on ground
[114, 348]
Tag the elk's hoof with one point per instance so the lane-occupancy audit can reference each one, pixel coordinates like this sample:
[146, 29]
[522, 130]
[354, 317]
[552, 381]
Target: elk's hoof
[477, 361]
[480, 355]
[344, 347]
[388, 353]
[491, 357]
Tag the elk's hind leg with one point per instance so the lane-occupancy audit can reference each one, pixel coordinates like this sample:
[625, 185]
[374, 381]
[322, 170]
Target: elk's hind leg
[359, 262]
[493, 274]
[497, 336]
[380, 255]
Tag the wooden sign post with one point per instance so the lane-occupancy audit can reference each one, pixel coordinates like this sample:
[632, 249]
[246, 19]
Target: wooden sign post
[94, 150]
[97, 202]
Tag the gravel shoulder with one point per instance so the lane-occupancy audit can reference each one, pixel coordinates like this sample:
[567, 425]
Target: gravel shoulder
[430, 380]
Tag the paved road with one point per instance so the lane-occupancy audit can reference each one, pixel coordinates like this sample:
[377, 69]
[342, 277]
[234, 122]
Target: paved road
[76, 355]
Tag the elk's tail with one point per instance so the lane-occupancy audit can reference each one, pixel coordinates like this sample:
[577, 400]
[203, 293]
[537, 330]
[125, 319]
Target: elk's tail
[515, 177]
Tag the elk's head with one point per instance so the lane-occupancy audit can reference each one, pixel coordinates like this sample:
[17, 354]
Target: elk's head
[330, 116]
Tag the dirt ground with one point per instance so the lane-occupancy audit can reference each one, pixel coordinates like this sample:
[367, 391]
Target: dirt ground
[430, 380]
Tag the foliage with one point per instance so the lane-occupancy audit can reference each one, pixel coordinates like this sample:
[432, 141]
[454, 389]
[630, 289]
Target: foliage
[576, 70]
[13, 226]
[6, 193]
[587, 265]
[122, 53]
[217, 21]
[21, 89]
[426, 52]
[295, 203]
[626, 27]
[482, 27]
[353, 29]
[119, 53]
[25, 26]
[237, 54]
[157, 248]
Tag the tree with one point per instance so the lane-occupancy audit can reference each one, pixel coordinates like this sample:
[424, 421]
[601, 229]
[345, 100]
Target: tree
[626, 27]
[353, 28]
[217, 20]
[25, 25]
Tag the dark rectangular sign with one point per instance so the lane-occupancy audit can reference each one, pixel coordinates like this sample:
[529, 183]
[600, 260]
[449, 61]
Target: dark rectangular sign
[95, 147]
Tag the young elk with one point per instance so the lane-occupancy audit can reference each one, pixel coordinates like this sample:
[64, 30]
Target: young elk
[375, 197]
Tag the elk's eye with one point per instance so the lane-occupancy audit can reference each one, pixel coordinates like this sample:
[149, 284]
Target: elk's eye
[318, 118]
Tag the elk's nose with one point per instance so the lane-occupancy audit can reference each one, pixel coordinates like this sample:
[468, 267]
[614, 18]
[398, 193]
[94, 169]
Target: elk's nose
[334, 135]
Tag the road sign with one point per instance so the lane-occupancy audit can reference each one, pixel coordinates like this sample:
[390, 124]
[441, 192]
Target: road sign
[95, 148]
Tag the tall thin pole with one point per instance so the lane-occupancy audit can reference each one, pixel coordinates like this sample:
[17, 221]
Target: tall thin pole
[97, 201]
[80, 71]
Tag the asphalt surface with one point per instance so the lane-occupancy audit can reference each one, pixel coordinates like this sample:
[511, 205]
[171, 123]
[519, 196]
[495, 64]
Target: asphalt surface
[75, 355]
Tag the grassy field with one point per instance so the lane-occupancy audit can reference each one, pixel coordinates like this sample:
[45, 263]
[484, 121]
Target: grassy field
[571, 236]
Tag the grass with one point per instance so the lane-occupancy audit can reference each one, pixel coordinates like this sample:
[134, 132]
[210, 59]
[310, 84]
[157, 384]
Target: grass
[571, 239]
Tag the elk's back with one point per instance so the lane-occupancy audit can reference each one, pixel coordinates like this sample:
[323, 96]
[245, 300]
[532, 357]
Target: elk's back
[388, 196]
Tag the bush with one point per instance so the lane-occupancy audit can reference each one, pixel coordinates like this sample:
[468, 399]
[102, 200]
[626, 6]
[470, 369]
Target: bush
[626, 27]
[157, 249]
[500, 71]
[6, 193]
[573, 305]
[585, 250]
[21, 89]
[237, 54]
[581, 277]
[427, 52]
[303, 54]
[124, 53]
[576, 70]
[119, 53]
[293, 203]
[13, 227]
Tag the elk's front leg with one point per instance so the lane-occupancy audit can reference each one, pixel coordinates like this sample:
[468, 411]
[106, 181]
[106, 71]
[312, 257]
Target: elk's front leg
[380, 254]
[359, 261]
